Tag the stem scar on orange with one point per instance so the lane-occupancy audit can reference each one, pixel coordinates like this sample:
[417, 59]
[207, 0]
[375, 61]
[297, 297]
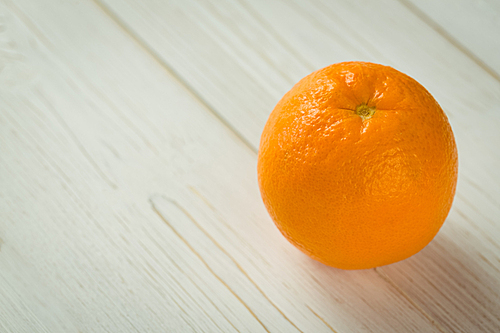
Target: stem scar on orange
[358, 165]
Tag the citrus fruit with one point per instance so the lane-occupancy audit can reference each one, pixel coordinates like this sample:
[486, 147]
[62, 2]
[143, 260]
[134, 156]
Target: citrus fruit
[358, 165]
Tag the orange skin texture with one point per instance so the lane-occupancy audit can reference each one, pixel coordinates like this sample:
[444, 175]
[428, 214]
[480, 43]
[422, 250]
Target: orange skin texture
[354, 192]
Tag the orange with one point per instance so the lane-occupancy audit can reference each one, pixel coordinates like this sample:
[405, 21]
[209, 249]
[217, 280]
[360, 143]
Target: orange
[358, 165]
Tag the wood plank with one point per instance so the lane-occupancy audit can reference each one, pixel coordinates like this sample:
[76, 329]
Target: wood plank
[317, 33]
[337, 37]
[217, 50]
[95, 134]
[472, 26]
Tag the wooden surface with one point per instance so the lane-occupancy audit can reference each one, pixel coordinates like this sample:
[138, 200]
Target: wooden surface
[128, 192]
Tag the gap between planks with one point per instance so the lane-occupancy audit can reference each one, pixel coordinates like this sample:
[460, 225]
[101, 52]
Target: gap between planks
[452, 40]
[322, 319]
[171, 71]
[160, 215]
[169, 68]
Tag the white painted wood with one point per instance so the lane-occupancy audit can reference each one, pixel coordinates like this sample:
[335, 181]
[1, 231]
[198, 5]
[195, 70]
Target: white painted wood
[221, 52]
[317, 33]
[128, 206]
[471, 25]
